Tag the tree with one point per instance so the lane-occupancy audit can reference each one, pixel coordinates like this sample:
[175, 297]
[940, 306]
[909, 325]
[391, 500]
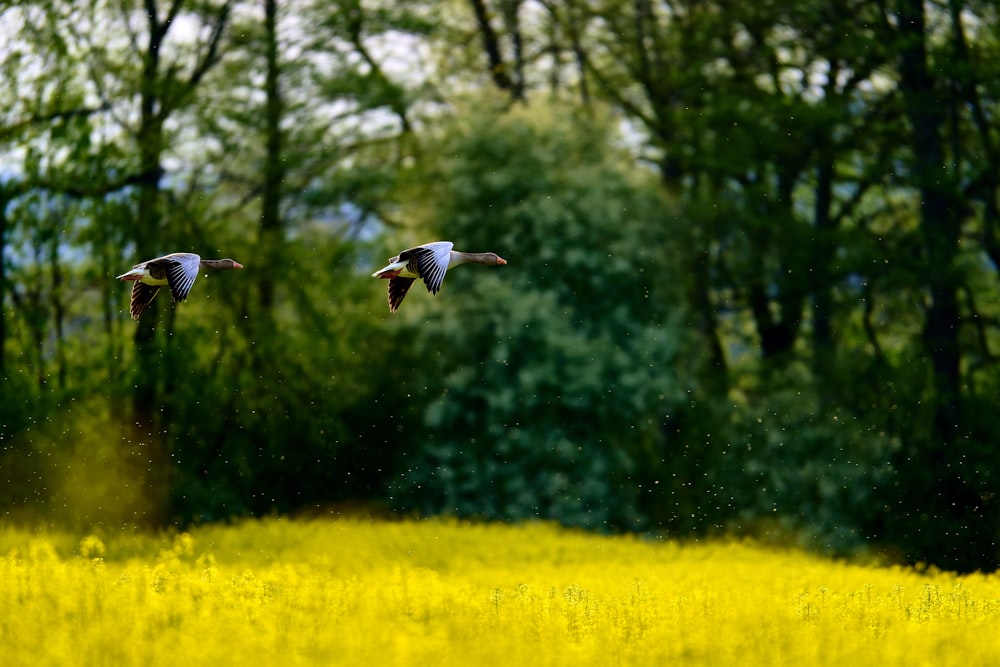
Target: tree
[537, 402]
[825, 206]
[943, 464]
[318, 147]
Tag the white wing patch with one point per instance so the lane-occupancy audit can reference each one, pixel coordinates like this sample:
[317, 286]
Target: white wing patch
[180, 278]
[430, 262]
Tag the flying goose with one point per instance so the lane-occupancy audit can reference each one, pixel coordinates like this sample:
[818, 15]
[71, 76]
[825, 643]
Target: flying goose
[429, 262]
[177, 271]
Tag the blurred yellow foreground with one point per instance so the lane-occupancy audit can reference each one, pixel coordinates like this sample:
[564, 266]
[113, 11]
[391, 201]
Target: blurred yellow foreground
[357, 592]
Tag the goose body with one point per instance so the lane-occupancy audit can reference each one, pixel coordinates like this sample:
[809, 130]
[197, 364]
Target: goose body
[428, 262]
[177, 271]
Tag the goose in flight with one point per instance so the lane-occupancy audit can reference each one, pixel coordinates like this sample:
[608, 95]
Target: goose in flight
[177, 271]
[429, 262]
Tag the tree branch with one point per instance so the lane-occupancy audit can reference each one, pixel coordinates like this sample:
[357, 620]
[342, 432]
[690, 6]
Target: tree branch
[39, 119]
[395, 104]
[491, 43]
[74, 189]
[212, 54]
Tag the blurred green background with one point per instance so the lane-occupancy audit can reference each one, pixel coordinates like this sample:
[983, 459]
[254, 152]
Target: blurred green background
[752, 283]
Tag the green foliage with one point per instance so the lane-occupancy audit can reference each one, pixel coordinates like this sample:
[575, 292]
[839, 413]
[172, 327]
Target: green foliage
[804, 337]
[278, 415]
[18, 410]
[547, 375]
[814, 464]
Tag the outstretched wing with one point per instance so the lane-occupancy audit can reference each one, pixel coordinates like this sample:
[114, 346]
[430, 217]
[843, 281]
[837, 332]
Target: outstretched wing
[142, 294]
[181, 271]
[430, 262]
[398, 287]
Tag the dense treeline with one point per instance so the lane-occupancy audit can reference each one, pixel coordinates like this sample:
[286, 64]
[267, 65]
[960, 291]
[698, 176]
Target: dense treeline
[752, 284]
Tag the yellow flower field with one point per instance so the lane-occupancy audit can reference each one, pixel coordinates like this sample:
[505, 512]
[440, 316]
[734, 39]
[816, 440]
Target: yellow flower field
[357, 592]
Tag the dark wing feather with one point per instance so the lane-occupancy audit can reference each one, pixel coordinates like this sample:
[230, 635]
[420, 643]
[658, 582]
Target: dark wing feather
[180, 279]
[428, 265]
[397, 290]
[142, 294]
[432, 271]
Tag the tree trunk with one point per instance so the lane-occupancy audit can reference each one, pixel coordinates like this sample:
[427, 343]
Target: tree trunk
[3, 279]
[824, 226]
[148, 443]
[940, 512]
[715, 374]
[58, 313]
[274, 170]
[940, 212]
